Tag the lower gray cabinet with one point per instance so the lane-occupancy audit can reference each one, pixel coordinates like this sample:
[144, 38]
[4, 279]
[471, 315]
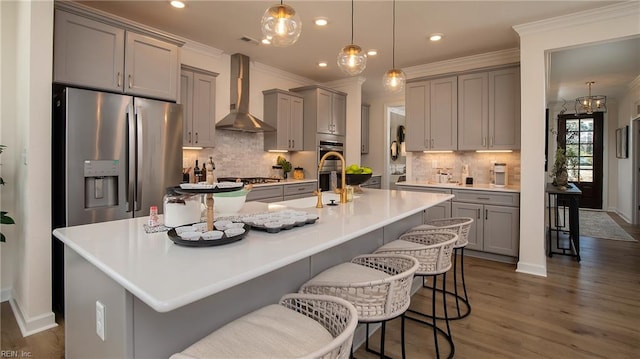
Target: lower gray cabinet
[496, 227]
[299, 190]
[442, 210]
[280, 192]
[266, 194]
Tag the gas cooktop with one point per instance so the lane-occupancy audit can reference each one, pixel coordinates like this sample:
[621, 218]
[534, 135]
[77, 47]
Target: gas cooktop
[249, 180]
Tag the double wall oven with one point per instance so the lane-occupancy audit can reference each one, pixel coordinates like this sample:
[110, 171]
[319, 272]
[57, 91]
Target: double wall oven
[328, 143]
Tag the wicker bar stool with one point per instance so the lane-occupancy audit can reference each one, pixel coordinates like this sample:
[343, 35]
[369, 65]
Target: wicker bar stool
[460, 226]
[378, 285]
[433, 251]
[300, 326]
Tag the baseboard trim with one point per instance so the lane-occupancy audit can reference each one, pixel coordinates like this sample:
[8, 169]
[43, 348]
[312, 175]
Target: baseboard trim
[623, 216]
[5, 294]
[533, 269]
[29, 326]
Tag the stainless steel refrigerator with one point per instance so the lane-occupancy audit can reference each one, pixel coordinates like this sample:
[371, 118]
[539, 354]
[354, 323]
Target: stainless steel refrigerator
[113, 157]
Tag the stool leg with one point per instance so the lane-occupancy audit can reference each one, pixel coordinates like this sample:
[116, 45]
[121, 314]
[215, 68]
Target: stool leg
[444, 302]
[366, 334]
[384, 325]
[433, 312]
[464, 284]
[404, 353]
[455, 278]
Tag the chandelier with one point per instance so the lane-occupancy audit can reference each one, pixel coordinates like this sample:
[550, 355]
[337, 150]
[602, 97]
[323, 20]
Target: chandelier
[590, 104]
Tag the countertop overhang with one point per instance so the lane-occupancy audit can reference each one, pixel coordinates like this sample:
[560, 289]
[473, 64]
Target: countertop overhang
[167, 276]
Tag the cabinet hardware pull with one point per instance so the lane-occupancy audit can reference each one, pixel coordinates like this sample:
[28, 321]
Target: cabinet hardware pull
[118, 84]
[485, 198]
[484, 141]
[130, 81]
[478, 213]
[293, 143]
[486, 214]
[289, 144]
[190, 137]
[491, 141]
[196, 137]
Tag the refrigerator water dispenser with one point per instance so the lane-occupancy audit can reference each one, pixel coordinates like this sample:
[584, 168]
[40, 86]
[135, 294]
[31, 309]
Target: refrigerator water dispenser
[101, 183]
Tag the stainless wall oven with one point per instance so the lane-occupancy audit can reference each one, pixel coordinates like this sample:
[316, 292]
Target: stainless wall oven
[328, 143]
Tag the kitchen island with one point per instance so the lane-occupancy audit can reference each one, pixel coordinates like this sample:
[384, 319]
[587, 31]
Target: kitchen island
[160, 297]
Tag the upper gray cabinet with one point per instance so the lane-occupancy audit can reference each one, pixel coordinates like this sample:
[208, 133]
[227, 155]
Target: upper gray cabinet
[284, 111]
[431, 115]
[489, 110]
[197, 96]
[325, 111]
[364, 129]
[108, 56]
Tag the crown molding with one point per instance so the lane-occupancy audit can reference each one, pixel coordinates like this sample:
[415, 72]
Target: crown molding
[201, 49]
[580, 18]
[489, 59]
[349, 81]
[260, 67]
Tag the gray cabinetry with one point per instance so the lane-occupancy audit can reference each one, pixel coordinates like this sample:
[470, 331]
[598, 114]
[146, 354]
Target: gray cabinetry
[441, 210]
[197, 95]
[489, 110]
[284, 111]
[266, 194]
[431, 114]
[325, 112]
[106, 56]
[299, 190]
[364, 129]
[497, 219]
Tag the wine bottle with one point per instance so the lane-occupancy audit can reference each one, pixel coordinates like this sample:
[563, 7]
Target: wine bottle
[197, 173]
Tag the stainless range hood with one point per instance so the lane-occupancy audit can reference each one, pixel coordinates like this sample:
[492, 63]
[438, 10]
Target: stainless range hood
[240, 119]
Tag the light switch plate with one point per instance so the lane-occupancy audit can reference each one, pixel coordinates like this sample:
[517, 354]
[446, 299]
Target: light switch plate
[100, 319]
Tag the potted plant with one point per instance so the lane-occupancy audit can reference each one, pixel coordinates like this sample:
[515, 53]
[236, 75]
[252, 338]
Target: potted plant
[4, 219]
[559, 172]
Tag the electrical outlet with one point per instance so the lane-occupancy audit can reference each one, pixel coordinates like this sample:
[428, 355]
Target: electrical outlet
[100, 319]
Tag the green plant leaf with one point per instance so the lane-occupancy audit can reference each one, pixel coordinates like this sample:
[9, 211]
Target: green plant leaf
[2, 237]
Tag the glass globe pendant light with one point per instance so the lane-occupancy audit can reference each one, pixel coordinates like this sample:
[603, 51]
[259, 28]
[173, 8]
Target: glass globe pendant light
[394, 79]
[351, 59]
[281, 25]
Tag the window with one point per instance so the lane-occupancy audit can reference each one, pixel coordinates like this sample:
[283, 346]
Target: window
[579, 139]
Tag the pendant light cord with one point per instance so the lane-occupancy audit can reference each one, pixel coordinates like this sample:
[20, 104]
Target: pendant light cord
[351, 22]
[393, 48]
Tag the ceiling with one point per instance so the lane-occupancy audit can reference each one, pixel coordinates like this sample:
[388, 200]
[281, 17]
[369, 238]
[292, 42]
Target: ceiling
[469, 28]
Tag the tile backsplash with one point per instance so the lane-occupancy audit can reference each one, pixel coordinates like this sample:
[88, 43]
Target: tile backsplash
[237, 154]
[424, 166]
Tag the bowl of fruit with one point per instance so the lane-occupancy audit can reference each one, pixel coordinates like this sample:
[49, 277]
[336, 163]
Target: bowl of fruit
[356, 175]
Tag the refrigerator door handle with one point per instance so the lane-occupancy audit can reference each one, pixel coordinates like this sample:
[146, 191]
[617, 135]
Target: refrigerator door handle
[139, 155]
[131, 158]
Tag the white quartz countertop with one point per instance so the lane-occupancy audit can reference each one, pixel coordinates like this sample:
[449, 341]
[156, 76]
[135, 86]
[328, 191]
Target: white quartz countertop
[476, 186]
[167, 276]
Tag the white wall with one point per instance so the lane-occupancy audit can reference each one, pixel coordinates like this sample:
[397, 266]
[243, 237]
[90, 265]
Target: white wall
[626, 115]
[28, 120]
[536, 39]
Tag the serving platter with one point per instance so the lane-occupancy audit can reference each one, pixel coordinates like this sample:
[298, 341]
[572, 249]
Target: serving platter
[201, 242]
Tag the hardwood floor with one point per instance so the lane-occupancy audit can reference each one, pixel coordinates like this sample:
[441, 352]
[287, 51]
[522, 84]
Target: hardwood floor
[589, 309]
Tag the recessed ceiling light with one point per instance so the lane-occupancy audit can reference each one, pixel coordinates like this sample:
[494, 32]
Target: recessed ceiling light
[436, 37]
[372, 52]
[322, 64]
[177, 4]
[266, 41]
[321, 21]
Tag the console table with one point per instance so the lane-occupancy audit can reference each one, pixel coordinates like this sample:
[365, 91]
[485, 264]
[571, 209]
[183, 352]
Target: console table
[571, 197]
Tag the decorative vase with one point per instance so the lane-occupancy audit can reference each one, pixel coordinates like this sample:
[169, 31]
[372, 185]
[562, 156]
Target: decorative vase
[562, 178]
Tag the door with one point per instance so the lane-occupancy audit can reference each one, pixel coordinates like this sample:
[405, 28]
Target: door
[296, 123]
[87, 53]
[474, 211]
[417, 116]
[204, 110]
[339, 114]
[582, 138]
[158, 152]
[439, 211]
[504, 109]
[186, 99]
[324, 112]
[96, 156]
[501, 230]
[151, 67]
[443, 122]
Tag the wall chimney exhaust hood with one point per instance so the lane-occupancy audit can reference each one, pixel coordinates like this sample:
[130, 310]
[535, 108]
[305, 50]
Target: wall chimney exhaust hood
[240, 119]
